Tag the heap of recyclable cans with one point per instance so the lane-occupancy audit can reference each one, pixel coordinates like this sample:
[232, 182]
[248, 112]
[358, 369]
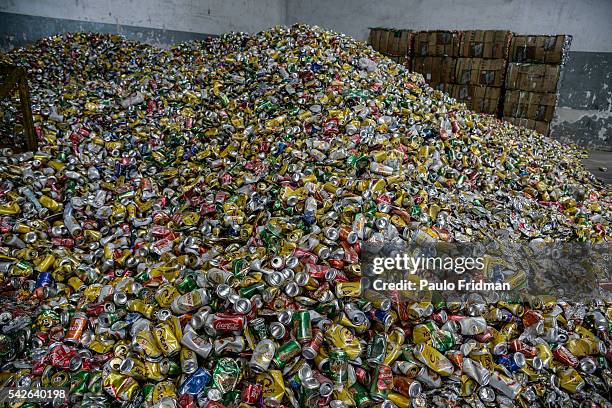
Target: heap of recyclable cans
[188, 233]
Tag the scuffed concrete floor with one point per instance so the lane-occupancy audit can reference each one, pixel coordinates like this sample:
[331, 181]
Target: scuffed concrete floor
[598, 160]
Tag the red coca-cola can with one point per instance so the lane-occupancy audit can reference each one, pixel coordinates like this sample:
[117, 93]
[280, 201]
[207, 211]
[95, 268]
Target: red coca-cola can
[317, 271]
[65, 242]
[38, 368]
[64, 357]
[187, 401]
[336, 263]
[251, 393]
[102, 358]
[522, 347]
[565, 356]
[384, 380]
[228, 322]
[362, 376]
[56, 334]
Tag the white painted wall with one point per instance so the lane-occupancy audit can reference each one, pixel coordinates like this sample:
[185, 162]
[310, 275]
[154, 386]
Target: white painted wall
[199, 16]
[589, 21]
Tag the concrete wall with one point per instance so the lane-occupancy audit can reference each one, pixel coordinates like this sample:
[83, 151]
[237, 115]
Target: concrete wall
[584, 109]
[585, 104]
[589, 21]
[157, 21]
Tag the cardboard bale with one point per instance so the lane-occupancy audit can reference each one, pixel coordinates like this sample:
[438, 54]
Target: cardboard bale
[532, 77]
[490, 44]
[530, 105]
[483, 99]
[538, 126]
[374, 38]
[379, 39]
[437, 43]
[479, 71]
[435, 69]
[400, 42]
[391, 42]
[544, 49]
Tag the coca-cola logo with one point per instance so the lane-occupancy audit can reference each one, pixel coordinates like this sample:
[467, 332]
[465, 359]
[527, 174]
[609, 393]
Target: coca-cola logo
[229, 326]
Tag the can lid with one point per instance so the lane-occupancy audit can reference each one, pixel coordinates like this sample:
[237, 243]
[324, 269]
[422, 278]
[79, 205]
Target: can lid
[486, 394]
[291, 262]
[358, 318]
[285, 317]
[331, 233]
[500, 348]
[537, 363]
[167, 402]
[292, 289]
[189, 366]
[197, 320]
[223, 291]
[127, 365]
[277, 330]
[275, 278]
[385, 305]
[214, 394]
[337, 404]
[414, 389]
[326, 389]
[75, 363]
[163, 314]
[352, 237]
[519, 359]
[381, 223]
[277, 262]
[242, 305]
[288, 273]
[588, 365]
[308, 353]
[310, 383]
[120, 298]
[164, 366]
[301, 278]
[305, 372]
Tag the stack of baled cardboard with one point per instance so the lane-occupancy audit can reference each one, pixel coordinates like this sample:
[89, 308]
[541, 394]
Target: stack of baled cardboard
[493, 71]
[395, 44]
[469, 65]
[533, 78]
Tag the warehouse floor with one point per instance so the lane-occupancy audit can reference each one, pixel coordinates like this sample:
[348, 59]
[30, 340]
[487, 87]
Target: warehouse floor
[598, 160]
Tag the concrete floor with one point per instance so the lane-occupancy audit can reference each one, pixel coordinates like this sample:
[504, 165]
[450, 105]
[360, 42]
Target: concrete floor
[598, 160]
